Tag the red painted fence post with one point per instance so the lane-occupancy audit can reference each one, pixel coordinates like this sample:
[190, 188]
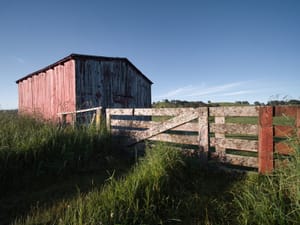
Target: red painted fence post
[265, 140]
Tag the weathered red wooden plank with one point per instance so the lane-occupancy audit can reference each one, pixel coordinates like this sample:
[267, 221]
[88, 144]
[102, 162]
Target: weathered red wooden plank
[285, 110]
[43, 99]
[284, 131]
[284, 148]
[48, 87]
[265, 138]
[59, 89]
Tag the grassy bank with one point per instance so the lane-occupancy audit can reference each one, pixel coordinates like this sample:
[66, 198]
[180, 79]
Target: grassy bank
[166, 187]
[272, 199]
[91, 183]
[41, 163]
[30, 148]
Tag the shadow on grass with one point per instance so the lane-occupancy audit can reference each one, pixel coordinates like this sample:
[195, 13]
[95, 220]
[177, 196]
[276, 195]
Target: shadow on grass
[194, 193]
[205, 192]
[56, 179]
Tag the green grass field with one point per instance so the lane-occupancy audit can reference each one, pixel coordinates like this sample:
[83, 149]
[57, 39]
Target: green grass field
[55, 175]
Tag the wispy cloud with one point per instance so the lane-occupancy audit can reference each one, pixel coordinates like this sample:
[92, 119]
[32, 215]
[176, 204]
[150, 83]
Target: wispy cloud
[237, 93]
[192, 91]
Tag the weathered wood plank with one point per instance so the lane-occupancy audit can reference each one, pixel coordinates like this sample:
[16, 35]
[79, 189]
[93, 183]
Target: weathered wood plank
[233, 128]
[192, 127]
[220, 120]
[108, 121]
[120, 111]
[284, 148]
[167, 125]
[237, 160]
[174, 138]
[161, 111]
[203, 135]
[237, 144]
[81, 111]
[284, 131]
[133, 123]
[154, 111]
[234, 111]
[265, 137]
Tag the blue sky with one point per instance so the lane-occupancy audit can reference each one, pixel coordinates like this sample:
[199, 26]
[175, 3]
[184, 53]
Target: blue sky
[217, 50]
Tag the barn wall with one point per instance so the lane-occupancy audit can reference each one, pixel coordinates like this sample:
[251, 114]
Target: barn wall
[48, 92]
[110, 83]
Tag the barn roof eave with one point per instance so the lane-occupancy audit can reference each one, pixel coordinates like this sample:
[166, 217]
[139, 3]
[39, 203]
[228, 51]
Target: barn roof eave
[80, 56]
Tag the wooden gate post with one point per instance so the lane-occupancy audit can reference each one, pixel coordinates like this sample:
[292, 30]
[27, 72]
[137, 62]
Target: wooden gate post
[220, 135]
[108, 120]
[203, 133]
[265, 140]
[98, 118]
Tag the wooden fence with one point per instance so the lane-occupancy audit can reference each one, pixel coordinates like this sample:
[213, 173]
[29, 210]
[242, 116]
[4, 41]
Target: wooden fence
[244, 136]
[96, 116]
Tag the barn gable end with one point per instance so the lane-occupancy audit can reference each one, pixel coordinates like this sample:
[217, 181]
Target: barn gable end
[83, 81]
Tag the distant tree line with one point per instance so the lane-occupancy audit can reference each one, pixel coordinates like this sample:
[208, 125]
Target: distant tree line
[284, 102]
[182, 103]
[177, 103]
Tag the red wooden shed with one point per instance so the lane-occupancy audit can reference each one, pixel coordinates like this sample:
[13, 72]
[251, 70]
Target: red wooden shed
[83, 81]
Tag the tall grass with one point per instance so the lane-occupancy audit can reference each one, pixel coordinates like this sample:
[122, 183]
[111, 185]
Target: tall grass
[275, 198]
[164, 187]
[138, 198]
[168, 188]
[29, 148]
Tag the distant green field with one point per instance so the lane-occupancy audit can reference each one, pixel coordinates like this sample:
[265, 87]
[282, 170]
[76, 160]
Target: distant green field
[279, 120]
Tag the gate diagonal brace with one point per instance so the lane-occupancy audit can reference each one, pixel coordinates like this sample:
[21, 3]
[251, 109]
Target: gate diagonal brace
[164, 126]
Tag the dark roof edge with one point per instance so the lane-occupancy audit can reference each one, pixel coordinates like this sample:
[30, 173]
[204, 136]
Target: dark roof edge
[78, 56]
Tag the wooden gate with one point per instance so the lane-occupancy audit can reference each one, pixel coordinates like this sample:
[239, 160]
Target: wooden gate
[247, 136]
[164, 124]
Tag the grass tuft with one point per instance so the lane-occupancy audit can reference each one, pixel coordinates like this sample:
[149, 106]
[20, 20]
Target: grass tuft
[274, 198]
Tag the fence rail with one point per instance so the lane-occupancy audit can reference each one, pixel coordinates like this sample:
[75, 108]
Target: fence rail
[211, 131]
[96, 116]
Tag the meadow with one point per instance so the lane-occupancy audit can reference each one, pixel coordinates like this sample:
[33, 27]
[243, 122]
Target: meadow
[62, 175]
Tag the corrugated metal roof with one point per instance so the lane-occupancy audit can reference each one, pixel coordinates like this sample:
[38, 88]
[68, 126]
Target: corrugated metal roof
[80, 56]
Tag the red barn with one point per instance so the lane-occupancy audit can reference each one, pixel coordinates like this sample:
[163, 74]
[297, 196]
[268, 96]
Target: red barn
[83, 81]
